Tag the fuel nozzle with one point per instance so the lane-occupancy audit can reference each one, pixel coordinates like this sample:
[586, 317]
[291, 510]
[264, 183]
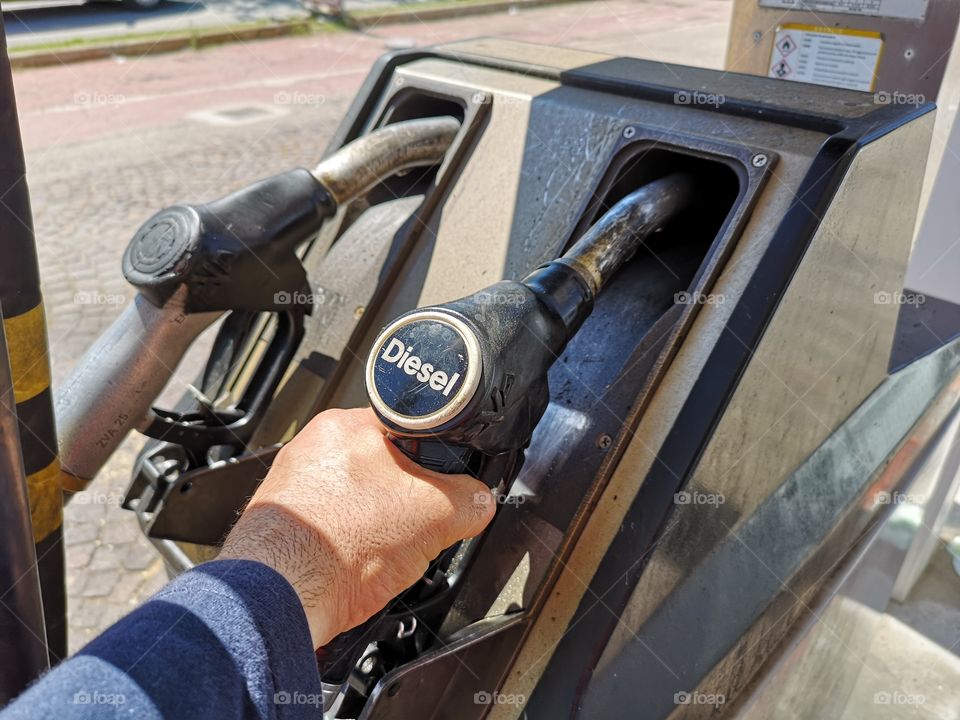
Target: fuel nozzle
[461, 386]
[469, 377]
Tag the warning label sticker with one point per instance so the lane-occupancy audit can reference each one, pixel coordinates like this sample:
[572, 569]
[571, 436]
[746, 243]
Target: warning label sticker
[903, 9]
[826, 56]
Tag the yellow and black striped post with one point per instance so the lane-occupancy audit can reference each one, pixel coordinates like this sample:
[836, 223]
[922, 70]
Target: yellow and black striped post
[23, 323]
[23, 637]
[30, 371]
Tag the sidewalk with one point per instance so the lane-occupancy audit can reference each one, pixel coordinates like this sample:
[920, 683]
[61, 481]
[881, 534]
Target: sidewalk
[70, 103]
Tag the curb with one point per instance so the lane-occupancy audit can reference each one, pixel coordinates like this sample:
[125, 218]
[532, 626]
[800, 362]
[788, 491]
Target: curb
[140, 48]
[406, 15]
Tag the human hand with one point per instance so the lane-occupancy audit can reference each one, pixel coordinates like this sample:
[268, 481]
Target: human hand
[350, 521]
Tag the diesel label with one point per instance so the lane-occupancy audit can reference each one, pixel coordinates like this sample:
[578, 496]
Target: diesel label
[396, 353]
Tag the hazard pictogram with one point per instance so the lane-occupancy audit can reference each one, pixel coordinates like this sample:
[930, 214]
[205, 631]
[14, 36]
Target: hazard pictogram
[786, 45]
[781, 69]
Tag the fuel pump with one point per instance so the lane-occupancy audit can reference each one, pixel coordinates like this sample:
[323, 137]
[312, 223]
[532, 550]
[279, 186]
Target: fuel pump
[681, 383]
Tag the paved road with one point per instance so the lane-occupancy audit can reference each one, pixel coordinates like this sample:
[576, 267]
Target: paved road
[109, 142]
[33, 23]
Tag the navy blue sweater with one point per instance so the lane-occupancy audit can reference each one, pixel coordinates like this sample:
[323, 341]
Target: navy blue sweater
[228, 639]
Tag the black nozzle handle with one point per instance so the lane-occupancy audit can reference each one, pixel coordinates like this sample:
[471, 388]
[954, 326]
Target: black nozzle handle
[239, 252]
[235, 253]
[472, 374]
[437, 455]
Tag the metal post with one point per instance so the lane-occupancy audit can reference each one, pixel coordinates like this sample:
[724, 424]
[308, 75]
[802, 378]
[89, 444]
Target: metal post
[23, 646]
[26, 338]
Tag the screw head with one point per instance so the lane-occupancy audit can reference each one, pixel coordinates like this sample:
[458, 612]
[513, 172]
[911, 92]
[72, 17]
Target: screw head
[604, 441]
[758, 160]
[479, 98]
[629, 132]
[757, 36]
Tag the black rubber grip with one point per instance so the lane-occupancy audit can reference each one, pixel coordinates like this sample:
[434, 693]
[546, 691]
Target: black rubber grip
[438, 456]
[235, 253]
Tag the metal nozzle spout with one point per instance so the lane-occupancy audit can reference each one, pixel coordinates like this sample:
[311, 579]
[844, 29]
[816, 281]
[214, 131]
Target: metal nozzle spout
[360, 165]
[616, 236]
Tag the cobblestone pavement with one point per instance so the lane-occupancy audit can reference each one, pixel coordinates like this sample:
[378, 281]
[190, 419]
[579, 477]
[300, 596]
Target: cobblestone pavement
[110, 142]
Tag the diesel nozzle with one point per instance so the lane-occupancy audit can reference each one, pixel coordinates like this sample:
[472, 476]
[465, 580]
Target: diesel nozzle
[470, 375]
[461, 386]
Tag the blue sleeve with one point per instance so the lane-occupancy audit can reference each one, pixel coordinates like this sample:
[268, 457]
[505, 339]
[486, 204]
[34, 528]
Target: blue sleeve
[228, 639]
